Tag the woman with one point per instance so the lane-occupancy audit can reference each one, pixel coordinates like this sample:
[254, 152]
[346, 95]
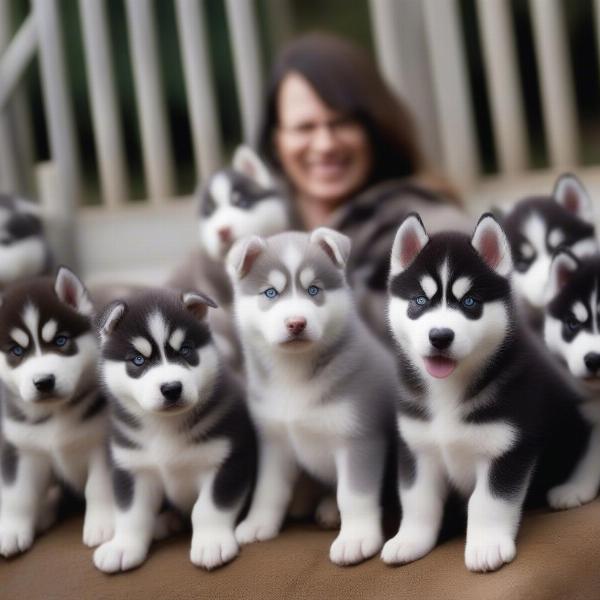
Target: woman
[348, 150]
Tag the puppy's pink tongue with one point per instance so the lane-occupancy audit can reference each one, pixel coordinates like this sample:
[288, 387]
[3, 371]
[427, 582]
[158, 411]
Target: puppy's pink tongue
[439, 366]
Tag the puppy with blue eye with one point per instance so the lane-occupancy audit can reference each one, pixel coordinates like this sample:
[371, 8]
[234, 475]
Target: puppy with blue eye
[54, 419]
[320, 387]
[483, 410]
[180, 430]
[236, 201]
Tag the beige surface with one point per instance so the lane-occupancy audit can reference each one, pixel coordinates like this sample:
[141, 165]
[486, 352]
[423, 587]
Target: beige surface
[558, 558]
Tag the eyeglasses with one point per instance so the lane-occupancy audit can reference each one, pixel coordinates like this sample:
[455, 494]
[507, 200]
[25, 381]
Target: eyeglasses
[342, 128]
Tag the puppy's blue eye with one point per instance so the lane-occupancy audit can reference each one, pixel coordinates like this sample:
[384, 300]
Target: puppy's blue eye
[17, 350]
[313, 290]
[271, 293]
[138, 360]
[421, 300]
[185, 350]
[60, 340]
[469, 301]
[572, 323]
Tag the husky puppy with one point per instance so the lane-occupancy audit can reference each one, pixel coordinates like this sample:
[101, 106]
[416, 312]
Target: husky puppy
[24, 250]
[572, 332]
[537, 226]
[54, 419]
[320, 387]
[482, 405]
[237, 201]
[180, 428]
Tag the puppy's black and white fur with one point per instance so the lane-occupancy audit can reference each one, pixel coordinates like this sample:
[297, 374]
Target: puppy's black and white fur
[537, 226]
[180, 428]
[54, 419]
[320, 387]
[236, 201]
[24, 250]
[484, 411]
[572, 332]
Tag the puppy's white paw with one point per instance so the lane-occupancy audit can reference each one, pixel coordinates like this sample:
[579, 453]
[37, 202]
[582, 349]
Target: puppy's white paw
[327, 513]
[211, 549]
[120, 554]
[351, 547]
[406, 547]
[15, 537]
[98, 526]
[167, 523]
[256, 529]
[570, 495]
[488, 551]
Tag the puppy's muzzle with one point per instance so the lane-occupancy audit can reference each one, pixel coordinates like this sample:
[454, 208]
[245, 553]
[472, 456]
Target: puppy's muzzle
[295, 325]
[171, 392]
[441, 338]
[44, 383]
[592, 362]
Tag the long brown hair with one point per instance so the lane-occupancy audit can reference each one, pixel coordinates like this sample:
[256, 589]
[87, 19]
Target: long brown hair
[345, 78]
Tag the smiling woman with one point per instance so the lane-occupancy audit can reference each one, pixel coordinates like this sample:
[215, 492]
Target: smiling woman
[349, 152]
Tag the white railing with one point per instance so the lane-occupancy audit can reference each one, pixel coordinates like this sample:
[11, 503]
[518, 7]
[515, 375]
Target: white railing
[419, 46]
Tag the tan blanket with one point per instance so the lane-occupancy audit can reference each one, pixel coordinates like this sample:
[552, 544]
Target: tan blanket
[558, 558]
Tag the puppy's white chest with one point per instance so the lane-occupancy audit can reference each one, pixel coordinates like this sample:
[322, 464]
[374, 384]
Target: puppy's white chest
[302, 410]
[460, 446]
[309, 424]
[57, 434]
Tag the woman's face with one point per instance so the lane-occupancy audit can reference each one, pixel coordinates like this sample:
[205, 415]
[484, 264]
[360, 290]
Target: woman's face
[326, 154]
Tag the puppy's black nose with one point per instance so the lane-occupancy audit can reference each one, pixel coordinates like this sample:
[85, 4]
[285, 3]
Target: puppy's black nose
[44, 383]
[441, 338]
[171, 391]
[592, 362]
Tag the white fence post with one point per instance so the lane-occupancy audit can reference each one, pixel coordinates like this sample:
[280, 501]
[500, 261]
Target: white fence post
[156, 139]
[399, 35]
[199, 86]
[103, 98]
[16, 142]
[59, 116]
[558, 103]
[504, 90]
[247, 64]
[451, 90]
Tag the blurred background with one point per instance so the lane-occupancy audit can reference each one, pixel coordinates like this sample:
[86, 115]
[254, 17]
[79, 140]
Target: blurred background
[506, 93]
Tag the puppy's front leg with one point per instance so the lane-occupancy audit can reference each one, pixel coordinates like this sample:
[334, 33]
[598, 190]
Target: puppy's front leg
[138, 497]
[277, 472]
[494, 513]
[582, 486]
[25, 480]
[359, 466]
[213, 538]
[422, 489]
[98, 526]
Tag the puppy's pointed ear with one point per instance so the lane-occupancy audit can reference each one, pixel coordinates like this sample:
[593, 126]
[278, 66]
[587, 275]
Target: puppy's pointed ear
[410, 239]
[246, 161]
[564, 264]
[110, 318]
[71, 291]
[570, 193]
[335, 244]
[491, 243]
[197, 303]
[242, 255]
